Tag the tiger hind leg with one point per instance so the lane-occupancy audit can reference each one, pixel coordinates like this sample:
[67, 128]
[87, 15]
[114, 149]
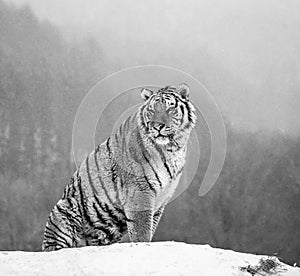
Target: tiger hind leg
[62, 227]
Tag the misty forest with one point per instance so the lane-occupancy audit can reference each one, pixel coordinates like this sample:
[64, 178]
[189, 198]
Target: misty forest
[44, 75]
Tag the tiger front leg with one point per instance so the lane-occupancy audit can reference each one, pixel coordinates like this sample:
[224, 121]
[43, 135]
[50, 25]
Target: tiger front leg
[140, 213]
[156, 218]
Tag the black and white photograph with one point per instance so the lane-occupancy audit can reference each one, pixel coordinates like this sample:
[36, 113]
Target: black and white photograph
[144, 137]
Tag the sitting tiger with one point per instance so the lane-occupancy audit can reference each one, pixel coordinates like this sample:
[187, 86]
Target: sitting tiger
[124, 184]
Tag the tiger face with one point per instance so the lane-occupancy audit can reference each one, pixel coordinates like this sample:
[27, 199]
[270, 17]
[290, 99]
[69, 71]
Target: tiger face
[167, 112]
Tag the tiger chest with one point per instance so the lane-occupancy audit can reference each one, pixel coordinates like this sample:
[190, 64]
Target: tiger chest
[166, 192]
[169, 177]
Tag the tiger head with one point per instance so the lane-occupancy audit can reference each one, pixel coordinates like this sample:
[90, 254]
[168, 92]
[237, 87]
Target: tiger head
[168, 114]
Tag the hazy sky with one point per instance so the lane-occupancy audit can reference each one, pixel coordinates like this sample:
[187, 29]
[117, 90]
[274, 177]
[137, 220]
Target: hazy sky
[245, 51]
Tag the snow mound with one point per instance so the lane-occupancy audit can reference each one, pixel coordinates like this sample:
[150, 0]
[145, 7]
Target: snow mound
[157, 258]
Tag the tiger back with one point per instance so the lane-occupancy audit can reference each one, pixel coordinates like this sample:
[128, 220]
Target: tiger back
[124, 184]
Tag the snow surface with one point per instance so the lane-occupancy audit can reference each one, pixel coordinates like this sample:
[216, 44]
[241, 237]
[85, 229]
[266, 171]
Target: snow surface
[157, 258]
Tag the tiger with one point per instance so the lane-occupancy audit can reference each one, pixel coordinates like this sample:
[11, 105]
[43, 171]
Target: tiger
[124, 184]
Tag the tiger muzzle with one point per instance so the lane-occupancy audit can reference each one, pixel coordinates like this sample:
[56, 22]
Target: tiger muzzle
[161, 129]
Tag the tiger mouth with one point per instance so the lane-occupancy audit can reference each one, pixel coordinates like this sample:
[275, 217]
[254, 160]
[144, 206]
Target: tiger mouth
[162, 136]
[168, 136]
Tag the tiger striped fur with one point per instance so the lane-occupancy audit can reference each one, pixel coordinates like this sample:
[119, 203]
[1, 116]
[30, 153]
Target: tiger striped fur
[124, 184]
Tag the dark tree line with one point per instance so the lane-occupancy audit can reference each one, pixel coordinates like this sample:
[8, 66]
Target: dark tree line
[43, 78]
[253, 207]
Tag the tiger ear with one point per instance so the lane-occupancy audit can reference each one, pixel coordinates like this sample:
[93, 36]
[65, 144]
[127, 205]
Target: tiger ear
[184, 91]
[146, 93]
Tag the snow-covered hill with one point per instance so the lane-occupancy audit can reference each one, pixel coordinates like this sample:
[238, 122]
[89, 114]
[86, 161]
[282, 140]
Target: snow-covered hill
[158, 258]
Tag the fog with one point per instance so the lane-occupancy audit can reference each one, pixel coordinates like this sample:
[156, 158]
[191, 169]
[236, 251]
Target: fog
[245, 52]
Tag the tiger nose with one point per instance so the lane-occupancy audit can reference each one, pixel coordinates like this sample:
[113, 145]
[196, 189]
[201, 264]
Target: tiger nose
[158, 126]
